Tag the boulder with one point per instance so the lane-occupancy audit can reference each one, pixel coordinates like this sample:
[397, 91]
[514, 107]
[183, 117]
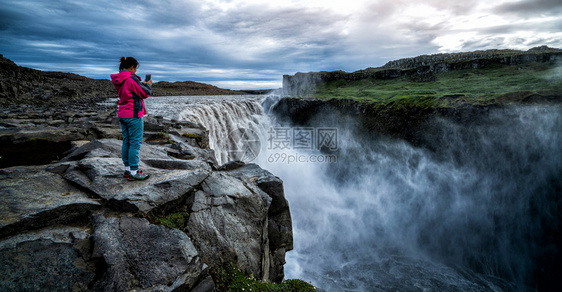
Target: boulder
[34, 138]
[160, 259]
[229, 220]
[280, 228]
[240, 210]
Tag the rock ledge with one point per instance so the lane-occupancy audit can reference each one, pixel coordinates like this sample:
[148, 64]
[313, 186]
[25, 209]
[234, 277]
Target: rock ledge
[77, 224]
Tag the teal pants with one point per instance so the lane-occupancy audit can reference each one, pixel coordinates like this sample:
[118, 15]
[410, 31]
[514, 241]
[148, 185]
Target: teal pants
[132, 130]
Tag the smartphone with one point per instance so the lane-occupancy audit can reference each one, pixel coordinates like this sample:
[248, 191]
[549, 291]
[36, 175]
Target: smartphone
[147, 77]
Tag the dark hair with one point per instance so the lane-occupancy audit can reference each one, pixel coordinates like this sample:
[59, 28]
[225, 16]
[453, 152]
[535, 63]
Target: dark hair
[128, 62]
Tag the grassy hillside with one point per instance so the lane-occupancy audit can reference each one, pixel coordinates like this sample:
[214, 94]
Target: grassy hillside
[495, 84]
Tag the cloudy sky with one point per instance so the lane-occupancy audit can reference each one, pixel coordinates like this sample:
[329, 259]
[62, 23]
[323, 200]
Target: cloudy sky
[250, 44]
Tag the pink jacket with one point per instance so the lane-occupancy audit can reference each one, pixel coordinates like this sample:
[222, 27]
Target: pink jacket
[132, 93]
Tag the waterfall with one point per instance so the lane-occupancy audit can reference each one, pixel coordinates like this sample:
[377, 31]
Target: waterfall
[222, 116]
[478, 212]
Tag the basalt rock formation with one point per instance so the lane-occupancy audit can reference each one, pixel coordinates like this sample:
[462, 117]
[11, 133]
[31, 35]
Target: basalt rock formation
[69, 221]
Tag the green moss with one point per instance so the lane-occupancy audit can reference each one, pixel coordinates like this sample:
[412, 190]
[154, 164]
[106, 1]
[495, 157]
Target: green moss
[197, 137]
[230, 278]
[177, 220]
[36, 140]
[161, 136]
[495, 84]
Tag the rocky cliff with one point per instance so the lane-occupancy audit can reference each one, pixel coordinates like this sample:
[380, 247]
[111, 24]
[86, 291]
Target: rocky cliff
[69, 221]
[410, 123]
[421, 68]
[404, 123]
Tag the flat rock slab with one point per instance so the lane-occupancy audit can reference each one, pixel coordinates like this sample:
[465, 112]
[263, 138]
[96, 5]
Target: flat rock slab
[33, 198]
[162, 259]
[112, 148]
[104, 177]
[58, 134]
[97, 167]
[50, 259]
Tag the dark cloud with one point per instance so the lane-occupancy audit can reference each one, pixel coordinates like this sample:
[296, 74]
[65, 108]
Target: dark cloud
[241, 42]
[487, 42]
[178, 31]
[518, 27]
[277, 36]
[64, 35]
[531, 8]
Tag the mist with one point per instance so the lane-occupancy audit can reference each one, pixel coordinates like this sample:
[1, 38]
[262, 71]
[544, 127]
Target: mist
[475, 207]
[474, 212]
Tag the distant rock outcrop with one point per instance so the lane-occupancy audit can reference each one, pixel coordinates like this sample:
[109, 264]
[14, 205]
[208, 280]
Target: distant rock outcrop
[164, 88]
[421, 68]
[21, 85]
[476, 59]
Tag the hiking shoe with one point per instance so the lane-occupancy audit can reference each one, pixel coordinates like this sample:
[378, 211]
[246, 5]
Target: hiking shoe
[139, 176]
[127, 173]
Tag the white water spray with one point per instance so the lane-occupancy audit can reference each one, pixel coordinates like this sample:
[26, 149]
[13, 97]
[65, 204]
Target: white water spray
[390, 216]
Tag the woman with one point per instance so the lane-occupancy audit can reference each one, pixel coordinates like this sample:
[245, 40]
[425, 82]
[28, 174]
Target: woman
[132, 93]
